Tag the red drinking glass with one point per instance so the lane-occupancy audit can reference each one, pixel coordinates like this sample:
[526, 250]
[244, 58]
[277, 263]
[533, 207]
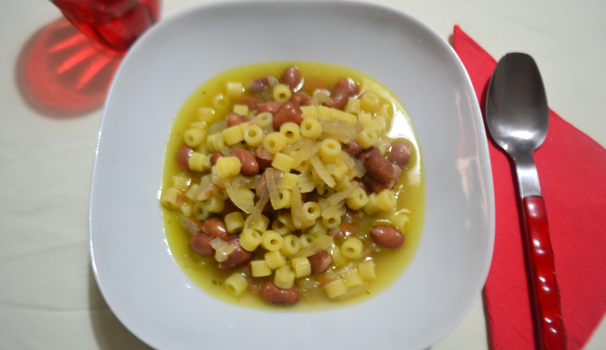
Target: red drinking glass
[114, 24]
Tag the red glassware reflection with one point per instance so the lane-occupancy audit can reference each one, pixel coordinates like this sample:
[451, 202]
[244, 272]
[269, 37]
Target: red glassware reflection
[114, 24]
[62, 73]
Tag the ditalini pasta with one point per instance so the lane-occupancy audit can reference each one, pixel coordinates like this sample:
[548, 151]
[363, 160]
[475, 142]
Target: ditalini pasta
[301, 180]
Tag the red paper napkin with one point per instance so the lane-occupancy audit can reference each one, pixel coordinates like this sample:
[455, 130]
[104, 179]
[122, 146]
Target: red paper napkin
[572, 173]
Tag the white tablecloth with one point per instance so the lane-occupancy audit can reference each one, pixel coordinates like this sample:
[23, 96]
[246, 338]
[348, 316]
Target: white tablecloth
[48, 295]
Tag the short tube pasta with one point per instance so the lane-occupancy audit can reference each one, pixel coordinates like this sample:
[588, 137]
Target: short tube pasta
[193, 137]
[228, 166]
[284, 277]
[368, 137]
[200, 211]
[311, 210]
[241, 109]
[236, 284]
[281, 93]
[197, 161]
[221, 102]
[260, 268]
[261, 224]
[172, 198]
[367, 270]
[310, 128]
[352, 248]
[181, 182]
[357, 199]
[253, 135]
[264, 119]
[305, 240]
[291, 245]
[291, 132]
[353, 278]
[386, 200]
[275, 259]
[274, 142]
[331, 221]
[370, 101]
[317, 229]
[301, 266]
[329, 150]
[233, 135]
[335, 288]
[234, 89]
[272, 241]
[279, 227]
[290, 181]
[215, 205]
[250, 239]
[234, 222]
[283, 162]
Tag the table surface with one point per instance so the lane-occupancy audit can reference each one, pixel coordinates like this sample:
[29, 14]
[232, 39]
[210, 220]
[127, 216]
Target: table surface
[48, 295]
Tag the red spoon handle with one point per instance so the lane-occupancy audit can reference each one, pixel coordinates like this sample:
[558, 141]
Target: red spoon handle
[544, 292]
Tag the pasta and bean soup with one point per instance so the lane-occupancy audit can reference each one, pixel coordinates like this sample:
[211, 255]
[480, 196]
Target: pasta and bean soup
[295, 184]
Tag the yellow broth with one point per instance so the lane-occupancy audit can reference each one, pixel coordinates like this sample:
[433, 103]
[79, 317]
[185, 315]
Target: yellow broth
[410, 190]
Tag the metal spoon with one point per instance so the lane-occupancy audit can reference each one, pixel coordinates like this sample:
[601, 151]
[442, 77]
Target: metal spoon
[518, 117]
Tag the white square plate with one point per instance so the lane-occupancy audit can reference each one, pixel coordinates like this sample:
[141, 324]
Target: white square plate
[134, 269]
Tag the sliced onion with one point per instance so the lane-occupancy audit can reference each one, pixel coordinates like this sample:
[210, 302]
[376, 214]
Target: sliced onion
[272, 187]
[322, 243]
[322, 172]
[192, 226]
[222, 249]
[216, 128]
[320, 97]
[273, 82]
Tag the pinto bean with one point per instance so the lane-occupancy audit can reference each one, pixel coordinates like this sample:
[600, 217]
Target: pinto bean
[271, 107]
[363, 185]
[234, 119]
[354, 148]
[317, 84]
[291, 77]
[250, 166]
[347, 85]
[229, 207]
[320, 262]
[201, 244]
[362, 157]
[378, 186]
[339, 98]
[264, 158]
[215, 228]
[278, 296]
[380, 168]
[346, 88]
[259, 84]
[300, 99]
[183, 157]
[288, 113]
[251, 102]
[238, 257]
[388, 237]
[343, 231]
[350, 217]
[215, 157]
[399, 154]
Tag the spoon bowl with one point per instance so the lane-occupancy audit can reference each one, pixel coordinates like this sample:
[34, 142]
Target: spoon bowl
[517, 105]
